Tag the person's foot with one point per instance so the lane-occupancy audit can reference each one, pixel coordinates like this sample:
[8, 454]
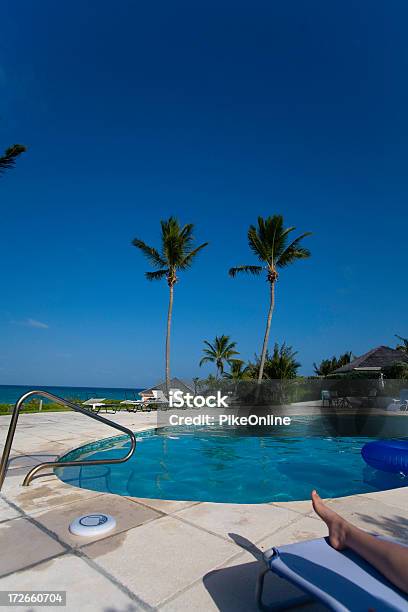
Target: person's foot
[338, 527]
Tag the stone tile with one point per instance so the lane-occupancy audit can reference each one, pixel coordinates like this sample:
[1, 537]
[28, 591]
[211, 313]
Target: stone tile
[302, 507]
[26, 441]
[29, 460]
[43, 494]
[305, 528]
[20, 461]
[127, 514]
[251, 521]
[12, 482]
[232, 587]
[7, 512]
[164, 505]
[393, 497]
[27, 543]
[59, 436]
[30, 447]
[373, 515]
[158, 559]
[87, 590]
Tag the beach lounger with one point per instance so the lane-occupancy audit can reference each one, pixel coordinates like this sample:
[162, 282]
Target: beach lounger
[341, 580]
[402, 401]
[330, 398]
[132, 405]
[130, 402]
[94, 403]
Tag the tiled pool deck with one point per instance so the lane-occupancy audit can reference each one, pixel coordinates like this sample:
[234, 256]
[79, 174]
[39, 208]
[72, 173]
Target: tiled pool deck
[164, 555]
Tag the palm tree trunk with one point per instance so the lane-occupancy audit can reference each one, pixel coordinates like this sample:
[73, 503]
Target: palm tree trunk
[267, 330]
[169, 314]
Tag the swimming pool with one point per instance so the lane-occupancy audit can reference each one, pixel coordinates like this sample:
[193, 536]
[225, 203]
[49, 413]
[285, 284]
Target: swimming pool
[229, 466]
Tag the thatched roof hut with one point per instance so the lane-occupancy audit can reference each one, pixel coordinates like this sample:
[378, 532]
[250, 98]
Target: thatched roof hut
[375, 360]
[175, 383]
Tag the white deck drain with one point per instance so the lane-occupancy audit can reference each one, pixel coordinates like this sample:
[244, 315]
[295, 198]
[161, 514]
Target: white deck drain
[92, 524]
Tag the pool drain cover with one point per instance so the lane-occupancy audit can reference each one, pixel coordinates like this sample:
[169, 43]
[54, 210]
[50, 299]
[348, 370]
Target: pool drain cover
[92, 524]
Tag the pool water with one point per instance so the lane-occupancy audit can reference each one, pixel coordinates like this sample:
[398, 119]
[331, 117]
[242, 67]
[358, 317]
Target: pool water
[230, 467]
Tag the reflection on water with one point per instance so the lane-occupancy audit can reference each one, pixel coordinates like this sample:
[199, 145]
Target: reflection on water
[232, 466]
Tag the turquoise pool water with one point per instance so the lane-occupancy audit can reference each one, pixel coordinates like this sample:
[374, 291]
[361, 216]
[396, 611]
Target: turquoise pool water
[227, 466]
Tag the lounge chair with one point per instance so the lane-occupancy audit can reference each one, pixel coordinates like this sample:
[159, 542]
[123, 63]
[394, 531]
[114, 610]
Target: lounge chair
[95, 403]
[402, 401]
[341, 580]
[157, 398]
[131, 403]
[329, 397]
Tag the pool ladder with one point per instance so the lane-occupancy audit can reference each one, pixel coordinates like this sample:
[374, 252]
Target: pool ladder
[53, 464]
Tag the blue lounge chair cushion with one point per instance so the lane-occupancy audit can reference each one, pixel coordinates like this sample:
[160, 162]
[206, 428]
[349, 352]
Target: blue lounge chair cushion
[342, 581]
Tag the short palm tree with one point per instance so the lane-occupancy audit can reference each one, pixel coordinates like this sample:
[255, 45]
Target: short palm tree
[404, 344]
[219, 352]
[281, 363]
[327, 366]
[238, 371]
[176, 254]
[271, 244]
[8, 159]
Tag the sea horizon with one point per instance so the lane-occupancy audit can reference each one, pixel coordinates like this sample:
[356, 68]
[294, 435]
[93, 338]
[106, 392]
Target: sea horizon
[9, 394]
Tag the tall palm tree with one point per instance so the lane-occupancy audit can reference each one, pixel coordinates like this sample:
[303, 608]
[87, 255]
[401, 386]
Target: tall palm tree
[271, 244]
[219, 352]
[176, 254]
[8, 159]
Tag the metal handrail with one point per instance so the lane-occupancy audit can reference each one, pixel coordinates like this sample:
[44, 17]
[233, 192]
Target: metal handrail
[53, 464]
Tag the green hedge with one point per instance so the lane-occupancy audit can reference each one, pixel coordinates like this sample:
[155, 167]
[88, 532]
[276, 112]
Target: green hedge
[33, 407]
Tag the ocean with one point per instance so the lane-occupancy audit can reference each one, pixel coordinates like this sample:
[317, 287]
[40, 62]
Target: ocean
[9, 394]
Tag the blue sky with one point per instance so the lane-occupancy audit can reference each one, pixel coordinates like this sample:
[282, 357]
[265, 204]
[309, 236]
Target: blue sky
[215, 112]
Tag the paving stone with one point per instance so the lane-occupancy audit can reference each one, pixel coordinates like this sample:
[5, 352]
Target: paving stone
[373, 515]
[87, 590]
[7, 512]
[248, 520]
[158, 559]
[305, 528]
[302, 507]
[126, 513]
[164, 505]
[232, 588]
[43, 493]
[26, 544]
[393, 497]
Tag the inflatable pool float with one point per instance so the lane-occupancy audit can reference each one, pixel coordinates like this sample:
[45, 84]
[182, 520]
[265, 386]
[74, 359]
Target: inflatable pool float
[387, 455]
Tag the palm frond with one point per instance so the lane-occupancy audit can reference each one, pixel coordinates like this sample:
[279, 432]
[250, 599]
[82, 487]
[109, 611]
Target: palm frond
[8, 159]
[256, 270]
[186, 234]
[156, 275]
[210, 346]
[404, 345]
[257, 245]
[172, 244]
[188, 260]
[294, 251]
[229, 353]
[206, 359]
[150, 252]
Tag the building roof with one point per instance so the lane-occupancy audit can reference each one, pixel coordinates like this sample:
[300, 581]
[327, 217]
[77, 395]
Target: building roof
[175, 383]
[378, 358]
